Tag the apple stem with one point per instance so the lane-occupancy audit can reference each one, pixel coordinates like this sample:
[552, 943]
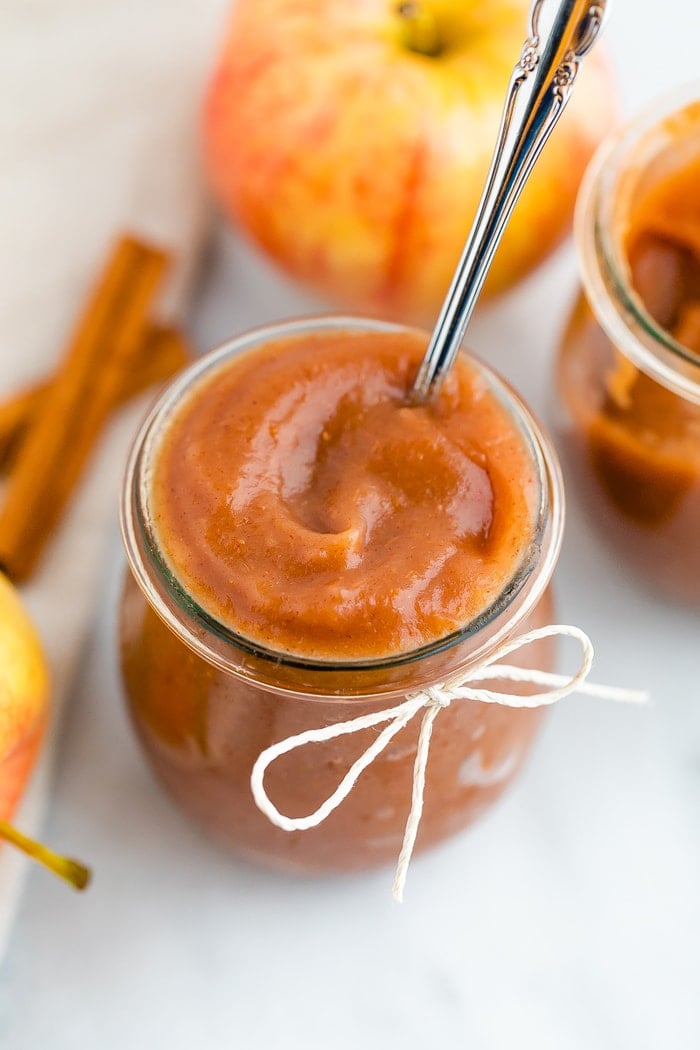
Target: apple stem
[420, 28]
[65, 867]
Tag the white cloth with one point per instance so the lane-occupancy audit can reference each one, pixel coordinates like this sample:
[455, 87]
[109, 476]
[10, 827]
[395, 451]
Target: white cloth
[99, 111]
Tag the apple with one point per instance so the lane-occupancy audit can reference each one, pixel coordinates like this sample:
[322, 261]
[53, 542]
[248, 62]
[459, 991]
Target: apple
[351, 140]
[24, 693]
[24, 696]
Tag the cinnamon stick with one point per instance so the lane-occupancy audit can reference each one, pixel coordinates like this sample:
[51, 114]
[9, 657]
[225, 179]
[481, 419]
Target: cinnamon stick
[102, 354]
[164, 352]
[15, 414]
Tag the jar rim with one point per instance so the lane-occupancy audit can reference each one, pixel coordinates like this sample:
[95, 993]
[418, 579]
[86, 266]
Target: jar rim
[206, 635]
[604, 267]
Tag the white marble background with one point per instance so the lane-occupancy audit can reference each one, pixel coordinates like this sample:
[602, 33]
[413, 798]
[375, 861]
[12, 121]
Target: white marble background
[569, 918]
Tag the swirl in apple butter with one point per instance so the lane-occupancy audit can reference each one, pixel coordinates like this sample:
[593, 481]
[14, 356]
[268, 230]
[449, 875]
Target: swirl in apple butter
[302, 503]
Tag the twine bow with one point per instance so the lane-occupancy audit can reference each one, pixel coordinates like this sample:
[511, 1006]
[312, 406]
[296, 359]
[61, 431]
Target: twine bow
[432, 700]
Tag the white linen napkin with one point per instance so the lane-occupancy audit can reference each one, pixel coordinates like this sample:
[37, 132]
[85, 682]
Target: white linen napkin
[99, 107]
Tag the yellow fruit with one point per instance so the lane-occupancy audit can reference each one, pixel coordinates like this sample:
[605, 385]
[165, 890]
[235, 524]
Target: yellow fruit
[24, 692]
[24, 701]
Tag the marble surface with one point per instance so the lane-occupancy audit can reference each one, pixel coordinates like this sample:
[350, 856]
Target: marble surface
[569, 917]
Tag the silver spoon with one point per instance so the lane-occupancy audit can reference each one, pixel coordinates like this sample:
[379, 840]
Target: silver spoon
[560, 34]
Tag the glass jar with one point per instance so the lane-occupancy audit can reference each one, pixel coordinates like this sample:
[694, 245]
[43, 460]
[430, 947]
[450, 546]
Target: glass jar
[628, 367]
[206, 702]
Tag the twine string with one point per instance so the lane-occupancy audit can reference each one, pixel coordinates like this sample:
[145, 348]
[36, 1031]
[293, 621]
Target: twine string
[431, 701]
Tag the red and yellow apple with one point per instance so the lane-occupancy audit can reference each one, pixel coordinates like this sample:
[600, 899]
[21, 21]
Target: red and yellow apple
[24, 692]
[351, 140]
[24, 697]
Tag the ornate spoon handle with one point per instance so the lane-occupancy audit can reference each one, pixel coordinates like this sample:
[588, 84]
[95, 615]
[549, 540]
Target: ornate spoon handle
[560, 34]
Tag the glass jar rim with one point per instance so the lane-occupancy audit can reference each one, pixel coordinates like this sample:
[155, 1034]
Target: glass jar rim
[204, 633]
[604, 268]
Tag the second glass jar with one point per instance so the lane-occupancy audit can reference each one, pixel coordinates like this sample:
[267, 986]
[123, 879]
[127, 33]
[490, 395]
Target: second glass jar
[629, 360]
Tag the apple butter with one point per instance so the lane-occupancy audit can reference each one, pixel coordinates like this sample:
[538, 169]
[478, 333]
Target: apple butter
[306, 547]
[629, 362]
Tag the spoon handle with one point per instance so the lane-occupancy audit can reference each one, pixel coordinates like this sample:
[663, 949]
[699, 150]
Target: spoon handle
[560, 34]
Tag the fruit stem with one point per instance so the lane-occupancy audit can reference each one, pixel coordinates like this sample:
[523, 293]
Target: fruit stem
[65, 867]
[420, 28]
